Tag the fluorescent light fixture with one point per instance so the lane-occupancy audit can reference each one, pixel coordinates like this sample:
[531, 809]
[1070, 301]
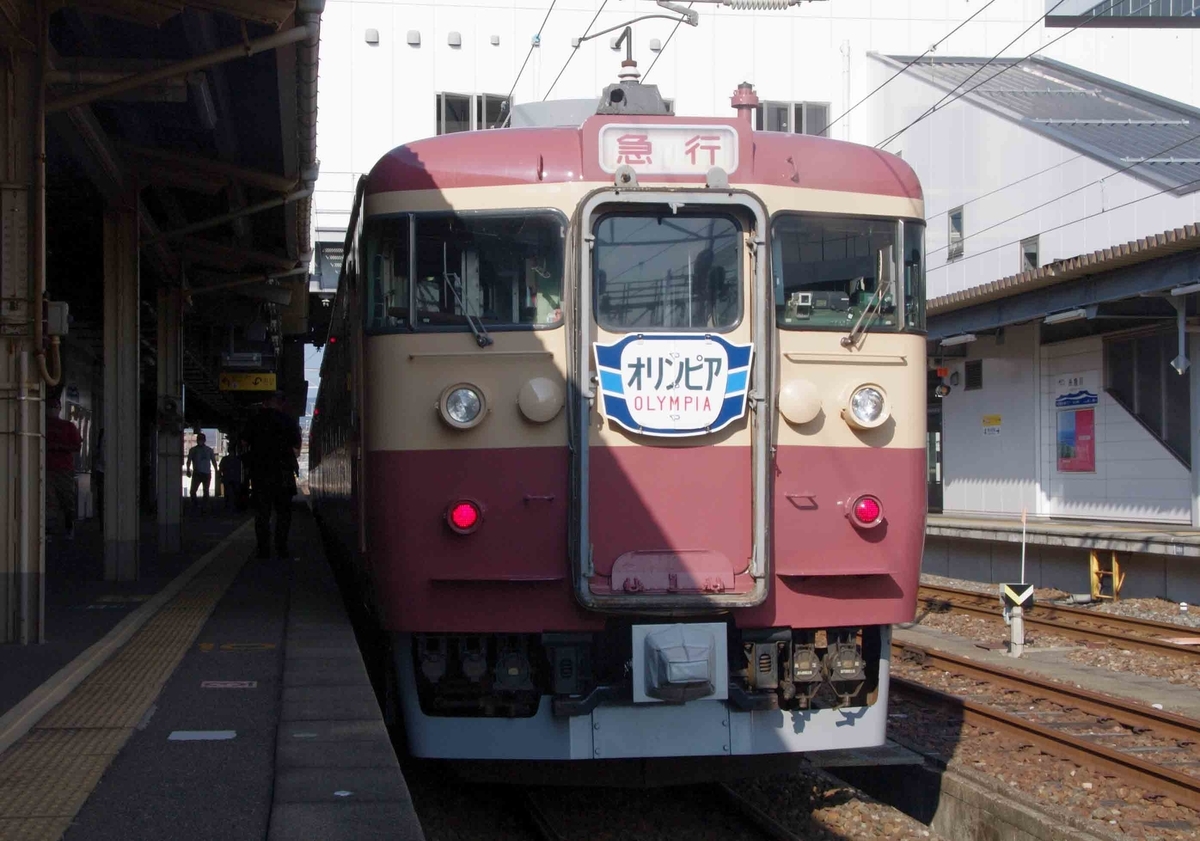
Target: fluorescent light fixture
[963, 339]
[1186, 290]
[1068, 315]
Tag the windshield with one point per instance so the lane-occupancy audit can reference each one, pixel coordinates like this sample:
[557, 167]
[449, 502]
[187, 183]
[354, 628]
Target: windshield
[504, 270]
[829, 271]
[665, 271]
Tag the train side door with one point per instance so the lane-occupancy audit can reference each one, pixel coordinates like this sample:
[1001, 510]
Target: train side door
[673, 456]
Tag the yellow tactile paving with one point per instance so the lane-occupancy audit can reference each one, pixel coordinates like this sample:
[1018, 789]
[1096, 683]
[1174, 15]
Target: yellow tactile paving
[47, 776]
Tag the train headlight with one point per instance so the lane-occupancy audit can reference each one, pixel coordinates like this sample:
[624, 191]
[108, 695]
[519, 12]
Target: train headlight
[462, 406]
[867, 407]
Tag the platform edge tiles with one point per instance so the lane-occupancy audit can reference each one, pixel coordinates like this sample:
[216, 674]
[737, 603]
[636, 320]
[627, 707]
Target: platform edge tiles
[25, 715]
[336, 772]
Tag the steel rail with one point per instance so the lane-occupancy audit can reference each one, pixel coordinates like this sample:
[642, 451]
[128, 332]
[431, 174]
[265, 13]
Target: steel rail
[1063, 620]
[1181, 787]
[1093, 703]
[537, 817]
[763, 822]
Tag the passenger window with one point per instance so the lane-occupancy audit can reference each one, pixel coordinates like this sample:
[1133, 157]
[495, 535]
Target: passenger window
[387, 273]
[502, 270]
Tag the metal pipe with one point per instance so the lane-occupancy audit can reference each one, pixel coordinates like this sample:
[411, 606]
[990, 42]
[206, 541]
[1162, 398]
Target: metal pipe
[23, 559]
[306, 117]
[39, 208]
[246, 281]
[215, 221]
[182, 68]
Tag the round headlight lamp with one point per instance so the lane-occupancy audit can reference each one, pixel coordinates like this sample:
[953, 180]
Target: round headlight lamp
[867, 407]
[462, 406]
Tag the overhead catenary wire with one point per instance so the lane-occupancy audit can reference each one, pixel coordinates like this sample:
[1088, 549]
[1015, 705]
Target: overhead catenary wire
[1077, 221]
[532, 46]
[937, 106]
[903, 69]
[943, 101]
[1122, 170]
[666, 44]
[574, 49]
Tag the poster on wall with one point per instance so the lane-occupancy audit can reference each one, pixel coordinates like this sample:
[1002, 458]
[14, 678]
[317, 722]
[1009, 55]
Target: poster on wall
[1075, 401]
[1077, 441]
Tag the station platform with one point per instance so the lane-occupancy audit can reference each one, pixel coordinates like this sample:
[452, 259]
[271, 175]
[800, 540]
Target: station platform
[1156, 560]
[1146, 538]
[225, 697]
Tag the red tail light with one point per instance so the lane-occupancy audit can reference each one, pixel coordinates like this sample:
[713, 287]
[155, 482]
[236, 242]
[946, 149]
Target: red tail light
[867, 511]
[463, 516]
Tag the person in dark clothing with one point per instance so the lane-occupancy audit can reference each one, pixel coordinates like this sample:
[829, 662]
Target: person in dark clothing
[272, 462]
[62, 443]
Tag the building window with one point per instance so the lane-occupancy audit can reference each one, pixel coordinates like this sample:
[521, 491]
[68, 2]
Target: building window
[955, 249]
[974, 375]
[470, 112]
[793, 117]
[1029, 255]
[1139, 376]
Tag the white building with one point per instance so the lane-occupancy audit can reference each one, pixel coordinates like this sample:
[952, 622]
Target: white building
[398, 71]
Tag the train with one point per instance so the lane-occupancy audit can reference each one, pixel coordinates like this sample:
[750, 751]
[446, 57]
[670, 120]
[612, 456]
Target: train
[621, 426]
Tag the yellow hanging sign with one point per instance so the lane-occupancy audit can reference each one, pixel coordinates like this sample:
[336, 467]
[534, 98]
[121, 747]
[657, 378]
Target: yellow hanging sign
[246, 381]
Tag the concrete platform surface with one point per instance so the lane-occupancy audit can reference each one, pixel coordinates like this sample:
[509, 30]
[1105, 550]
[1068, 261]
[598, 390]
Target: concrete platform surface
[241, 709]
[1147, 538]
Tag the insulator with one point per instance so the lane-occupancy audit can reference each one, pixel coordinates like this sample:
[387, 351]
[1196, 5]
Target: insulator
[746, 5]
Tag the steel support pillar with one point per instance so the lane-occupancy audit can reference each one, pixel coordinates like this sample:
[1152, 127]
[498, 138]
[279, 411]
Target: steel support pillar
[170, 419]
[122, 358]
[22, 419]
[1194, 425]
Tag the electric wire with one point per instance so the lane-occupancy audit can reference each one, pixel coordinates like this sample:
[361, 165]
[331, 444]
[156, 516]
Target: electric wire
[937, 105]
[533, 45]
[666, 44]
[903, 69]
[1122, 170]
[575, 49]
[1077, 221]
[942, 102]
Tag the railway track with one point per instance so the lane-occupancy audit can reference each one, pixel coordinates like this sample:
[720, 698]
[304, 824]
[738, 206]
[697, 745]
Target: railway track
[1080, 729]
[1073, 622]
[724, 804]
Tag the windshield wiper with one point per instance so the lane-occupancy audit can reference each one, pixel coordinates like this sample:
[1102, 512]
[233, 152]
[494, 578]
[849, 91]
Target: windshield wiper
[451, 279]
[883, 271]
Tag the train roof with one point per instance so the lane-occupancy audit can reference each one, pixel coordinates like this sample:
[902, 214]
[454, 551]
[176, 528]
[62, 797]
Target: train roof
[656, 147]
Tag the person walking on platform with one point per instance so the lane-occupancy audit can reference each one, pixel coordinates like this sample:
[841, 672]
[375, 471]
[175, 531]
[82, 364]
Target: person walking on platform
[62, 443]
[231, 478]
[200, 460]
[272, 462]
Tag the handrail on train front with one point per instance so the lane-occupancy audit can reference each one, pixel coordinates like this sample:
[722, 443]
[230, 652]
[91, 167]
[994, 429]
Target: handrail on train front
[759, 410]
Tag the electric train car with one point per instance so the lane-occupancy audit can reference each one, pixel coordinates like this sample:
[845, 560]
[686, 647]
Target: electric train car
[623, 425]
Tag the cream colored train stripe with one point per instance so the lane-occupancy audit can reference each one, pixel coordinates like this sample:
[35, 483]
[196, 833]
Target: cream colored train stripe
[566, 196]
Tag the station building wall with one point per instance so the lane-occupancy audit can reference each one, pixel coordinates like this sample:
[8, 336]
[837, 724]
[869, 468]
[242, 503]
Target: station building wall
[1000, 451]
[1013, 184]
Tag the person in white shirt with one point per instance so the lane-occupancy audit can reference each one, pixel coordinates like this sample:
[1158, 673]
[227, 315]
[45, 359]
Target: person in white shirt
[200, 460]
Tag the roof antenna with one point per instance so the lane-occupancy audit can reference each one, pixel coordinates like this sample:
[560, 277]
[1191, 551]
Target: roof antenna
[629, 71]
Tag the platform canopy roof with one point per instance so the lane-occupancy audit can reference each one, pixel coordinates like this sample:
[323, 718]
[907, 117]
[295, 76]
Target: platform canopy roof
[1154, 139]
[205, 111]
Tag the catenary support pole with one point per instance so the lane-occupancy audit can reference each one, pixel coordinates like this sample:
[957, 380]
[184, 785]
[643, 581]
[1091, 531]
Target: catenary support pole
[170, 419]
[122, 358]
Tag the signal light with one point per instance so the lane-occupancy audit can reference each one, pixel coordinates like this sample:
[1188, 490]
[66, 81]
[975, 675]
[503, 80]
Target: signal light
[867, 511]
[463, 516]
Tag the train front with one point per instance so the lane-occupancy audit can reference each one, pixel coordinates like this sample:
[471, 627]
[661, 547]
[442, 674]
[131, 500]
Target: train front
[644, 418]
